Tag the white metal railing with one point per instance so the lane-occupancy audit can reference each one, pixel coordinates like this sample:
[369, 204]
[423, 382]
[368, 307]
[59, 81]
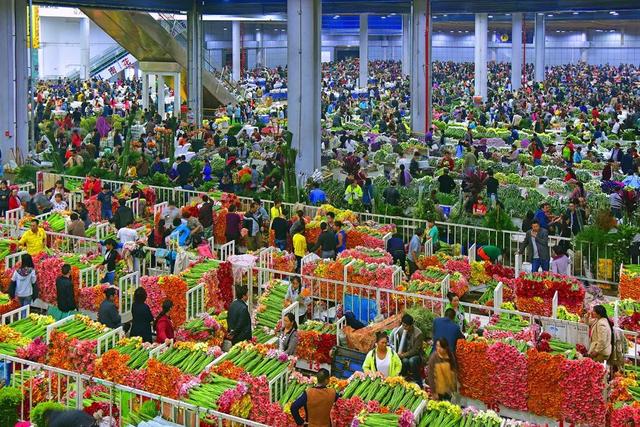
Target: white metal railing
[227, 250]
[152, 264]
[70, 386]
[75, 198]
[195, 302]
[109, 340]
[463, 234]
[11, 260]
[88, 277]
[13, 217]
[134, 204]
[159, 208]
[127, 285]
[15, 314]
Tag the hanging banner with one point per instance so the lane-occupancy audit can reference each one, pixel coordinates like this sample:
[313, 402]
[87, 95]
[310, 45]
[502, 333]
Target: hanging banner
[35, 27]
[113, 69]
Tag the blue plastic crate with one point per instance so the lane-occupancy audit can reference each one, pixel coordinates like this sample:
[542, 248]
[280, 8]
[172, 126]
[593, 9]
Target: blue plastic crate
[346, 362]
[5, 372]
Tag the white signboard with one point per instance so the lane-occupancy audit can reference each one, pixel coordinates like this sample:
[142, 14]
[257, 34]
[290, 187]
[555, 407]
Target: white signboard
[116, 67]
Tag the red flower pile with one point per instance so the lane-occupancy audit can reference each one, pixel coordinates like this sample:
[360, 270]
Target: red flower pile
[534, 292]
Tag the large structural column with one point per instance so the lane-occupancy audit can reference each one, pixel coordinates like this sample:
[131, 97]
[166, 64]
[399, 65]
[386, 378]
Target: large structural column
[85, 51]
[194, 63]
[421, 66]
[481, 45]
[364, 50]
[539, 45]
[14, 127]
[177, 102]
[160, 99]
[260, 48]
[235, 50]
[406, 44]
[145, 90]
[516, 51]
[304, 26]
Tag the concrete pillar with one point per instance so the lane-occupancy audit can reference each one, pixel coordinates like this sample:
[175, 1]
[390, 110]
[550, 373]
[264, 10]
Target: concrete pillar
[539, 45]
[14, 127]
[516, 51]
[160, 94]
[235, 50]
[481, 44]
[406, 44]
[304, 26]
[364, 50]
[194, 62]
[145, 89]
[420, 67]
[176, 96]
[85, 50]
[260, 48]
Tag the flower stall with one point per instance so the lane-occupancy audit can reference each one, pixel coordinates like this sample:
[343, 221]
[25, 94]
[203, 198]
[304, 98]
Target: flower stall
[268, 313]
[167, 287]
[535, 292]
[206, 327]
[189, 357]
[315, 342]
[557, 383]
[629, 285]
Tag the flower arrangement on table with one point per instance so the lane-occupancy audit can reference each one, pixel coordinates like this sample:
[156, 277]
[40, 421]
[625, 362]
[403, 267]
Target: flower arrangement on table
[546, 383]
[459, 264]
[629, 285]
[370, 255]
[206, 328]
[425, 262]
[446, 413]
[369, 419]
[33, 326]
[72, 354]
[269, 311]
[363, 273]
[7, 304]
[257, 360]
[315, 341]
[325, 269]
[369, 235]
[282, 261]
[534, 292]
[162, 379]
[458, 284]
[498, 271]
[190, 357]
[166, 287]
[393, 393]
[11, 340]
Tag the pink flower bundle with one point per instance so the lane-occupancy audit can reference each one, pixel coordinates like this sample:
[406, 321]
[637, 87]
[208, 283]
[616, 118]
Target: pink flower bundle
[624, 416]
[509, 376]
[213, 298]
[35, 351]
[155, 296]
[230, 396]
[135, 377]
[583, 387]
[91, 297]
[47, 270]
[460, 265]
[262, 410]
[344, 410]
[406, 419]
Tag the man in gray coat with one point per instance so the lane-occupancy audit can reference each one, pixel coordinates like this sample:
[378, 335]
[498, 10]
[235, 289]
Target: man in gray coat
[536, 244]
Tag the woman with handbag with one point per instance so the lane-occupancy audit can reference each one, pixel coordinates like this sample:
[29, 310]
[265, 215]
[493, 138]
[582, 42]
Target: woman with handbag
[23, 282]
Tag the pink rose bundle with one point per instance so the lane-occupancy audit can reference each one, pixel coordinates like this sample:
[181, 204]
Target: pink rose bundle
[624, 416]
[47, 271]
[460, 265]
[370, 255]
[583, 387]
[509, 376]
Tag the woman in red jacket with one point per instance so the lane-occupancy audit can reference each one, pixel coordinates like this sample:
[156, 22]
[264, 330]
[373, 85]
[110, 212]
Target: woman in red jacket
[14, 200]
[163, 323]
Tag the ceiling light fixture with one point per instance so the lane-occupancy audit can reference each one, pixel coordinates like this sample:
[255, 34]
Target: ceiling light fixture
[336, 16]
[576, 13]
[550, 15]
[490, 16]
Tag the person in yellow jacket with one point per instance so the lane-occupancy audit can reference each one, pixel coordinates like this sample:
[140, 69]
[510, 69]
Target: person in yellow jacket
[34, 239]
[352, 193]
[382, 358]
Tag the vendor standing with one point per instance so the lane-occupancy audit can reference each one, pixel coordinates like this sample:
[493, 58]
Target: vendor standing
[317, 403]
[34, 238]
[382, 358]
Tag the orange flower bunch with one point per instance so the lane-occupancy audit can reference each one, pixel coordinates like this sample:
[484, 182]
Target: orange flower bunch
[629, 286]
[475, 370]
[543, 379]
[58, 352]
[176, 290]
[112, 366]
[228, 369]
[162, 379]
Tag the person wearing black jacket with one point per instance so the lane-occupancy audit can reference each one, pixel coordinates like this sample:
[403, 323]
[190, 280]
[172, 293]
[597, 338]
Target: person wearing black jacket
[108, 312]
[4, 197]
[326, 242]
[239, 320]
[205, 215]
[280, 228]
[64, 291]
[141, 316]
[123, 216]
[446, 184]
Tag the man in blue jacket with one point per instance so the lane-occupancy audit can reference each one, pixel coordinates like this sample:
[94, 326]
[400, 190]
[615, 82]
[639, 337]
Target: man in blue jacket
[445, 327]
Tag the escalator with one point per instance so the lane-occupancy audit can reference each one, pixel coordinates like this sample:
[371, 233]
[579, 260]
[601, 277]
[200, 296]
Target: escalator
[102, 62]
[147, 40]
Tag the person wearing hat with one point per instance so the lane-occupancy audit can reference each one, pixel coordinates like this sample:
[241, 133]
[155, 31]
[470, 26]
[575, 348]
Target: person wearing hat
[489, 253]
[108, 312]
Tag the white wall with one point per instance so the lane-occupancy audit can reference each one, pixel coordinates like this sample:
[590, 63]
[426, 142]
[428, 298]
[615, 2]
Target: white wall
[59, 52]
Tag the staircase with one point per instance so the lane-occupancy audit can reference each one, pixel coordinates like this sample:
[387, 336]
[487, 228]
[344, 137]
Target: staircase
[101, 62]
[158, 41]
